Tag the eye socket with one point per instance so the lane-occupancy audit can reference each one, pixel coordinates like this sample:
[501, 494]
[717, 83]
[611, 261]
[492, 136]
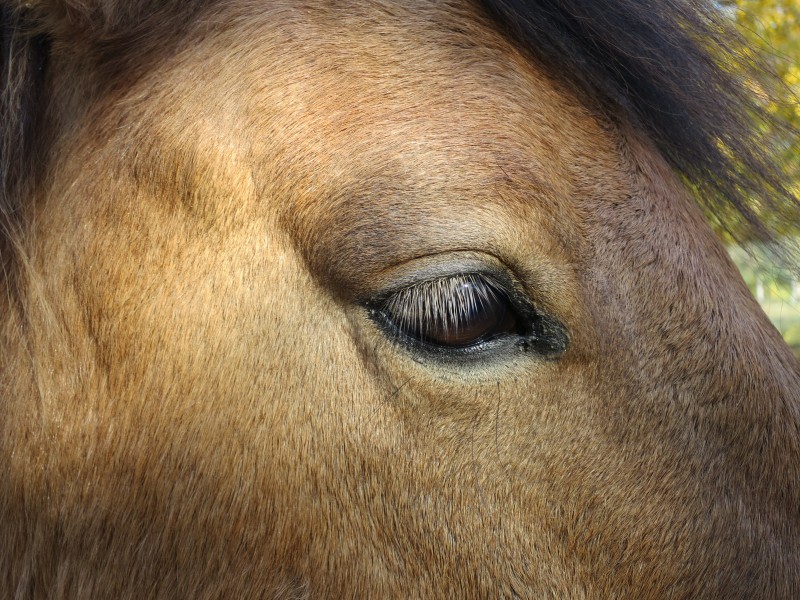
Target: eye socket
[458, 311]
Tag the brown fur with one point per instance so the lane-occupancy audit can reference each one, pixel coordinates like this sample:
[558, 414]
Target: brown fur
[196, 404]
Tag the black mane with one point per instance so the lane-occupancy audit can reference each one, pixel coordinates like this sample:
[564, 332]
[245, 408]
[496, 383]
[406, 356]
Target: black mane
[680, 70]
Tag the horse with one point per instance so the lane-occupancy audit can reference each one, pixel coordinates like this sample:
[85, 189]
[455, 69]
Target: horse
[388, 299]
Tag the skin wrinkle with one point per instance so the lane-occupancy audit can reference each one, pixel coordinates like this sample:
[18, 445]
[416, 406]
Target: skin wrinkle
[220, 418]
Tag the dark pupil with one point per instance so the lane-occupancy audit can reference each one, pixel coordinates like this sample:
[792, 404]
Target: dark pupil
[468, 312]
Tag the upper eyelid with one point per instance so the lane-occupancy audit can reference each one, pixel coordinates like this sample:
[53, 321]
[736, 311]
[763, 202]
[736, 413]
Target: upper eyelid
[484, 283]
[490, 279]
[412, 272]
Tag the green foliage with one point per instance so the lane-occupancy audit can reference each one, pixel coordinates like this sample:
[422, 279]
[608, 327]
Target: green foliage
[772, 28]
[774, 25]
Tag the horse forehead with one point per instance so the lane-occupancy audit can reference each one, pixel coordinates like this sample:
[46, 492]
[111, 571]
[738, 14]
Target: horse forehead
[409, 126]
[407, 86]
[426, 126]
[371, 79]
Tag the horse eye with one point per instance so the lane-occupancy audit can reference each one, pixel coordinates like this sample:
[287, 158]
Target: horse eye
[456, 312]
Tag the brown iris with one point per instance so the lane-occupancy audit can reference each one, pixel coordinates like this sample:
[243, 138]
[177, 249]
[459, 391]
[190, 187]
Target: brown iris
[456, 311]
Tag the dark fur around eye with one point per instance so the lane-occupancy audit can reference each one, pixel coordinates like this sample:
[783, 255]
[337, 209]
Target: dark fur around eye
[467, 315]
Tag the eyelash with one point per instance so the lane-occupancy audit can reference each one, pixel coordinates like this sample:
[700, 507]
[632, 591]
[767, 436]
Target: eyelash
[455, 312]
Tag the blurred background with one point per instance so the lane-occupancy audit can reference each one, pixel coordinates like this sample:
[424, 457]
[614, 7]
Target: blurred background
[775, 26]
[776, 288]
